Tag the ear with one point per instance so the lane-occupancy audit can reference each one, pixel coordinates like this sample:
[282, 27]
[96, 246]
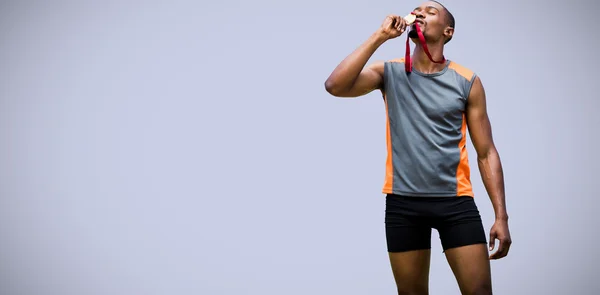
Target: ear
[448, 32]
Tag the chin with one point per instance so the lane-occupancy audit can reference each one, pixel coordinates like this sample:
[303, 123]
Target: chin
[413, 33]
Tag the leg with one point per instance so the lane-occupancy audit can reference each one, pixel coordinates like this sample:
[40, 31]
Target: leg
[411, 271]
[471, 267]
[464, 242]
[408, 235]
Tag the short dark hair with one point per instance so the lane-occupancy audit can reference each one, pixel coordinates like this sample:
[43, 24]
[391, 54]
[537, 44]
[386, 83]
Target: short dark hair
[449, 19]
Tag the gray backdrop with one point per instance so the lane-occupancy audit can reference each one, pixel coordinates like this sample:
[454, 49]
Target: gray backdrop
[190, 147]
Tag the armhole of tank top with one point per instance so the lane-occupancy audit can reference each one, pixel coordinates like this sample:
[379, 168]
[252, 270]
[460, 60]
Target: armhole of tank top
[470, 86]
[386, 68]
[384, 77]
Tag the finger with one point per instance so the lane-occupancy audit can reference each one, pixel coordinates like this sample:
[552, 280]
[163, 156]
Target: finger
[496, 255]
[505, 249]
[403, 24]
[393, 23]
[502, 249]
[492, 240]
[499, 254]
[399, 22]
[388, 22]
[393, 18]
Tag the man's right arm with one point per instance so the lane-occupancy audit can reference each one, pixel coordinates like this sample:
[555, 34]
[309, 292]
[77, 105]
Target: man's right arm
[351, 78]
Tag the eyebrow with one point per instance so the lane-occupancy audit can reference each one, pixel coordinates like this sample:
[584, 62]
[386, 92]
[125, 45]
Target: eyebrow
[429, 6]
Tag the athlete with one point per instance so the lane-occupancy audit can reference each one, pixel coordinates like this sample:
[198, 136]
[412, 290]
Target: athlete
[430, 103]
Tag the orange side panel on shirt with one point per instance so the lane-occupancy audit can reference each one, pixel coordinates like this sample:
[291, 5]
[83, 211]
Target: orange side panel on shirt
[389, 166]
[463, 185]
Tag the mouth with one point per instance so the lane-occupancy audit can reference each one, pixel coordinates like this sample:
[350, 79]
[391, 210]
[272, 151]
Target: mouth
[420, 22]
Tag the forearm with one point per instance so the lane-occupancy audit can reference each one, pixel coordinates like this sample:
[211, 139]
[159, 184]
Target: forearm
[492, 176]
[346, 73]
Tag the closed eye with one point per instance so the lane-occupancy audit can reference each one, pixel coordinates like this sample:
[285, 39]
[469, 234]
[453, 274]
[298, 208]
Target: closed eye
[430, 10]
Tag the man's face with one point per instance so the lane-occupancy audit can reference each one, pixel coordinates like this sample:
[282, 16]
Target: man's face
[431, 19]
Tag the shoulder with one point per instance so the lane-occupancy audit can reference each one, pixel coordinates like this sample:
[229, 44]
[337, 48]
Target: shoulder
[380, 65]
[396, 60]
[462, 71]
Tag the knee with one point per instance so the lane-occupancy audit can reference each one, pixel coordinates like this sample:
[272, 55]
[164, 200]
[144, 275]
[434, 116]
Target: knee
[485, 289]
[414, 291]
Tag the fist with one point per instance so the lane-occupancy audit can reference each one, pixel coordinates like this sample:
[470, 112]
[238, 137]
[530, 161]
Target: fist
[393, 26]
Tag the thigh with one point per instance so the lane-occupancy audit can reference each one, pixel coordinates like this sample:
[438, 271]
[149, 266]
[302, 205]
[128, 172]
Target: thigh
[459, 223]
[465, 245]
[407, 228]
[408, 234]
[411, 271]
[471, 267]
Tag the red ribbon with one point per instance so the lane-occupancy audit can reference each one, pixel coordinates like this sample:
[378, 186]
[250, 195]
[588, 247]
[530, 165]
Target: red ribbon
[407, 60]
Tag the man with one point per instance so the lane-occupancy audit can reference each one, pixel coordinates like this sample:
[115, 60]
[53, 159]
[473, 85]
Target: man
[430, 102]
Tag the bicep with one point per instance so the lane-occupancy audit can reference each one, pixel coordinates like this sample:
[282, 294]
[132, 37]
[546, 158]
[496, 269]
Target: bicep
[478, 121]
[369, 79]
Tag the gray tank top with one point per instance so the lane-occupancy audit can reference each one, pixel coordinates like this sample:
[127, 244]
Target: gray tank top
[426, 131]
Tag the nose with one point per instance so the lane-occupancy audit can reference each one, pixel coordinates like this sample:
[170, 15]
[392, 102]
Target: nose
[419, 14]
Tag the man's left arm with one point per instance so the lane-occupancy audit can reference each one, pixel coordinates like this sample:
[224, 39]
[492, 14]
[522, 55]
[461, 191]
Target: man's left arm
[489, 164]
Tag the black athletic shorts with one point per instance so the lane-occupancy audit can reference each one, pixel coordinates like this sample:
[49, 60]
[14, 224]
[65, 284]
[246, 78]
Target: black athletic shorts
[409, 220]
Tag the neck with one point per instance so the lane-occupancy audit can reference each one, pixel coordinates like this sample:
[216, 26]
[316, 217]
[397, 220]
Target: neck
[421, 61]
